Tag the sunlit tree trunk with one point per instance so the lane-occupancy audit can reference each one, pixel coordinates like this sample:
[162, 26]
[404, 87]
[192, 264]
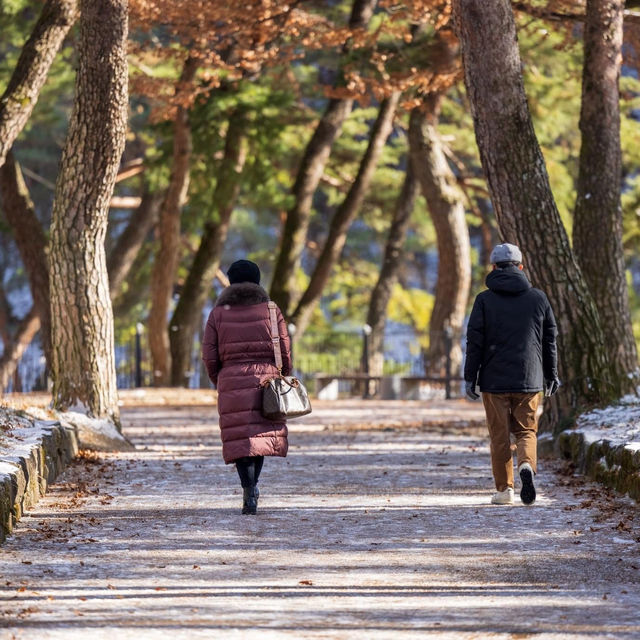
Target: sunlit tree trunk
[391, 263]
[187, 316]
[83, 367]
[519, 185]
[345, 215]
[598, 212]
[22, 92]
[167, 257]
[314, 159]
[31, 241]
[445, 201]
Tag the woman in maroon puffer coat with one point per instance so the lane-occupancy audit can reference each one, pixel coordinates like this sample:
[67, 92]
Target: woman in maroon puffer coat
[238, 352]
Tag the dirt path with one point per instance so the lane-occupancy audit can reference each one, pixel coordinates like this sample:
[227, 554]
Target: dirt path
[362, 533]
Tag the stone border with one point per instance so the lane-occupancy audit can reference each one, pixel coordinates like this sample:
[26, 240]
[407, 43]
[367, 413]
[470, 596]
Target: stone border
[24, 478]
[614, 465]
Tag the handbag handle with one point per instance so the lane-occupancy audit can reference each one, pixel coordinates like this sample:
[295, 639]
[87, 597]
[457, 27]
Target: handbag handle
[275, 335]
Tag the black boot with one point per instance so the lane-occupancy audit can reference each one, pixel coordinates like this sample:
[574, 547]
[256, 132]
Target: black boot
[249, 501]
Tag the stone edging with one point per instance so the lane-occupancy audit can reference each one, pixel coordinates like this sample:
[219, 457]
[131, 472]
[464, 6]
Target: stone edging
[24, 477]
[614, 465]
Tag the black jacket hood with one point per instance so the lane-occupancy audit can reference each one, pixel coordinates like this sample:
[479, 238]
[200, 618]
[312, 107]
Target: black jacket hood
[509, 281]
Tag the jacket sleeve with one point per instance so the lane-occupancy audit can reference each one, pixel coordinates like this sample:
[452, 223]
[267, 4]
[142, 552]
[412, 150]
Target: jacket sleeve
[210, 354]
[475, 342]
[285, 344]
[549, 349]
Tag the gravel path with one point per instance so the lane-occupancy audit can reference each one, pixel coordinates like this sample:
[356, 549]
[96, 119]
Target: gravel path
[365, 531]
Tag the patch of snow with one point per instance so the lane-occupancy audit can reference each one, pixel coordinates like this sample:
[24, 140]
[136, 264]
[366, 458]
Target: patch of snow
[103, 426]
[622, 540]
[619, 424]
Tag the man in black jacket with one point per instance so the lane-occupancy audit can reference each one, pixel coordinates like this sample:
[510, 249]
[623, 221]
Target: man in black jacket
[511, 355]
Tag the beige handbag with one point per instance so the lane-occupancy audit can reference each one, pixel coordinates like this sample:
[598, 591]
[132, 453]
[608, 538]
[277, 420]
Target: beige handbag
[283, 397]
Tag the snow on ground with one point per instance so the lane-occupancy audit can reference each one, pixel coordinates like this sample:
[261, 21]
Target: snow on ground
[364, 531]
[619, 424]
[18, 437]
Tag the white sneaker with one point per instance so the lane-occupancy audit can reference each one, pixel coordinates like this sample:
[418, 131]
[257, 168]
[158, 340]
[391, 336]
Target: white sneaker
[503, 497]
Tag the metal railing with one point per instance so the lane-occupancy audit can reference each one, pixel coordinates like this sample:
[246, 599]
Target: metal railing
[338, 353]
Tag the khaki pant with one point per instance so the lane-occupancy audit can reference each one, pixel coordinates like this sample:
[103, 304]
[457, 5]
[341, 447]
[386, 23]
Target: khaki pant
[511, 413]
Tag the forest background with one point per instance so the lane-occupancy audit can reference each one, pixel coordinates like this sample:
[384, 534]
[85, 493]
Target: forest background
[331, 142]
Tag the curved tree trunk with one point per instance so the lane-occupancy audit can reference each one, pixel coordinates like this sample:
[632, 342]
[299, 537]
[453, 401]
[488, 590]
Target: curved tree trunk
[598, 213]
[122, 256]
[316, 154]
[31, 241]
[26, 331]
[167, 257]
[188, 312]
[446, 206]
[83, 367]
[22, 92]
[519, 185]
[393, 255]
[345, 214]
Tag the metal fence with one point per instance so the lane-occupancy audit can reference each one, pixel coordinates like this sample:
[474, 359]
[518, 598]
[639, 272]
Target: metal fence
[335, 352]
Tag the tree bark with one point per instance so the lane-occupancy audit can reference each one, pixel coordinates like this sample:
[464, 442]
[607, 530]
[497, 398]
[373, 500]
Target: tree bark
[167, 257]
[316, 154]
[345, 214]
[123, 254]
[31, 242]
[393, 255]
[83, 366]
[137, 284]
[23, 90]
[446, 206]
[5, 317]
[13, 351]
[598, 212]
[519, 185]
[187, 316]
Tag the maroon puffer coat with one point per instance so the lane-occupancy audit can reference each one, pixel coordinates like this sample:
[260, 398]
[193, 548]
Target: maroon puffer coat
[238, 353]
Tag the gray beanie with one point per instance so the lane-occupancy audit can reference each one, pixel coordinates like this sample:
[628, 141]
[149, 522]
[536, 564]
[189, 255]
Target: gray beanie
[505, 253]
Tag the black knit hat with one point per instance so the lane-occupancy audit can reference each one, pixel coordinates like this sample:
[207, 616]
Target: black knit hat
[244, 271]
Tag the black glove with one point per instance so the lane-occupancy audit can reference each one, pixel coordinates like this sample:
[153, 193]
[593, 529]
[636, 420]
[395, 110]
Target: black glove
[551, 386]
[470, 390]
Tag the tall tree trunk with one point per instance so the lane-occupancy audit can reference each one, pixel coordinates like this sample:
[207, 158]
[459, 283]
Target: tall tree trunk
[487, 230]
[137, 283]
[598, 212]
[167, 257]
[188, 312]
[83, 366]
[22, 92]
[31, 242]
[13, 350]
[5, 317]
[519, 185]
[345, 214]
[446, 206]
[316, 154]
[122, 256]
[393, 255]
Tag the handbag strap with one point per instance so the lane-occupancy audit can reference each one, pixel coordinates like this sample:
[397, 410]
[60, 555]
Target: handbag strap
[275, 335]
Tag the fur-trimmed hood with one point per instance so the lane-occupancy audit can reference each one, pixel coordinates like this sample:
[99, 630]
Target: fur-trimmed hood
[242, 294]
